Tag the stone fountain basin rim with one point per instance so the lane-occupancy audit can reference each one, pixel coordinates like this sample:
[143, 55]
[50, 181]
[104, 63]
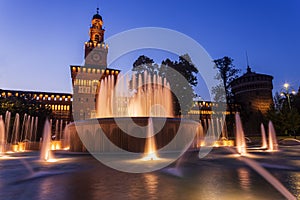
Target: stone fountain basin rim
[110, 119]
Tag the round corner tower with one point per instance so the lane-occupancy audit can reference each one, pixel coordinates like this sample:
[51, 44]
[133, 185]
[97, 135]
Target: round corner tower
[253, 92]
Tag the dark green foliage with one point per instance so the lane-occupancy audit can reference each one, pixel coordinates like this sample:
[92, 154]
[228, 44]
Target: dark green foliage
[143, 64]
[227, 73]
[286, 119]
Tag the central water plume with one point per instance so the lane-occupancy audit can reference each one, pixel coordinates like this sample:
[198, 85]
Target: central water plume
[144, 96]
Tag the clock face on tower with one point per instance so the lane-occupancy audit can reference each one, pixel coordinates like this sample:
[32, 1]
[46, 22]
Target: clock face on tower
[97, 58]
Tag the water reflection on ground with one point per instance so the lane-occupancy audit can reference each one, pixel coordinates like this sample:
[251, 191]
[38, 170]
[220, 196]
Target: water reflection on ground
[217, 176]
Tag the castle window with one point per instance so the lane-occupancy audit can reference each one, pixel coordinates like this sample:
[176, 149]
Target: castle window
[97, 38]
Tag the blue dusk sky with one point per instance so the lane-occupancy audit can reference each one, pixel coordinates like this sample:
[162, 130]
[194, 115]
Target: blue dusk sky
[41, 39]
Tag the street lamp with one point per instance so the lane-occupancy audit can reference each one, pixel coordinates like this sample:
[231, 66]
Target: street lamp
[287, 93]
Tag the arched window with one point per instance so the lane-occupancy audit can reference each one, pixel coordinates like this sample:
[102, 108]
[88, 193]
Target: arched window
[97, 38]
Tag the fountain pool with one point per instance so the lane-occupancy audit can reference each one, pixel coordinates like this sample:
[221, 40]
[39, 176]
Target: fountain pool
[220, 175]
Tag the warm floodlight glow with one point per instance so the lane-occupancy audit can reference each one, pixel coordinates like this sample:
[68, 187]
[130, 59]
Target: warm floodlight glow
[150, 146]
[150, 156]
[286, 85]
[51, 160]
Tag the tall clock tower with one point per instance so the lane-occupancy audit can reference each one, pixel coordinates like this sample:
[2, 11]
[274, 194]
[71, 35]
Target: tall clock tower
[86, 79]
[95, 53]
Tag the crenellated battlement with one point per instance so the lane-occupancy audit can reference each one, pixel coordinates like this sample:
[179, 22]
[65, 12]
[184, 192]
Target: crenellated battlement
[96, 45]
[91, 70]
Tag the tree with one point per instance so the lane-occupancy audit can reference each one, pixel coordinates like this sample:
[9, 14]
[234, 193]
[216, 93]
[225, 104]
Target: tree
[143, 64]
[181, 83]
[286, 120]
[227, 73]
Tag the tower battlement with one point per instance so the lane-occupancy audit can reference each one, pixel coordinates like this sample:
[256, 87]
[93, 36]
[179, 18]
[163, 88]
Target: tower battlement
[96, 45]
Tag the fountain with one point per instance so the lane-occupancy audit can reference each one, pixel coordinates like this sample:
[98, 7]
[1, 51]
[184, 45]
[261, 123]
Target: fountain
[264, 144]
[148, 96]
[56, 131]
[31, 129]
[2, 136]
[66, 138]
[23, 130]
[56, 142]
[7, 123]
[60, 128]
[150, 146]
[24, 137]
[35, 127]
[273, 146]
[224, 128]
[15, 133]
[46, 153]
[240, 136]
[129, 105]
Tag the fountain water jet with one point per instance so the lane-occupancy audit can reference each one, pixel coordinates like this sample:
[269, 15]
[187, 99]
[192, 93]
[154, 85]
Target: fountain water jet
[31, 129]
[60, 129]
[7, 124]
[66, 138]
[273, 146]
[264, 144]
[46, 153]
[15, 133]
[35, 127]
[2, 136]
[23, 127]
[56, 130]
[150, 146]
[240, 136]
